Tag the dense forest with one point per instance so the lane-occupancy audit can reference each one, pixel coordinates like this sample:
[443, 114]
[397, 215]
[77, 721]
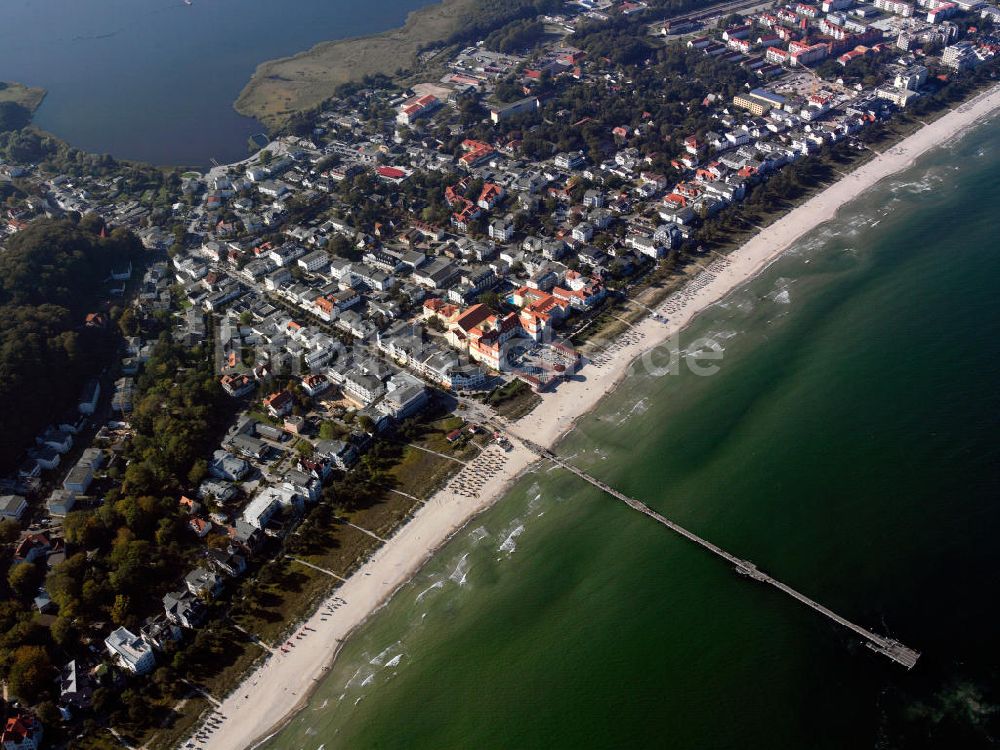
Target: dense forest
[489, 15]
[51, 276]
[13, 116]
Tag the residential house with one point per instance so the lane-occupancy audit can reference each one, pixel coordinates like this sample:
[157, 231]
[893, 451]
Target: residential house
[184, 608]
[227, 561]
[74, 687]
[130, 651]
[22, 731]
[225, 465]
[279, 404]
[203, 583]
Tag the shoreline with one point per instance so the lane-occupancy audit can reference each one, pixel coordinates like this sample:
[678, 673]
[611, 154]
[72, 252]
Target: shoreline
[283, 86]
[29, 97]
[271, 695]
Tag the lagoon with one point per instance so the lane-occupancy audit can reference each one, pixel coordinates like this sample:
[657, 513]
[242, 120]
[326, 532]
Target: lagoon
[155, 80]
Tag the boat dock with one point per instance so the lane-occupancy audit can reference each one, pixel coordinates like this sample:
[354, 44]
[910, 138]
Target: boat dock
[889, 647]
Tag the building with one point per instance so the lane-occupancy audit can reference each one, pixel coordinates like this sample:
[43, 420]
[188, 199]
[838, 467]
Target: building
[314, 260]
[225, 465]
[79, 478]
[89, 397]
[184, 608]
[807, 56]
[959, 56]
[60, 502]
[899, 97]
[130, 651]
[522, 107]
[262, 508]
[74, 687]
[12, 507]
[911, 78]
[756, 107]
[237, 385]
[894, 6]
[279, 404]
[203, 583]
[502, 230]
[776, 55]
[417, 107]
[22, 731]
[940, 12]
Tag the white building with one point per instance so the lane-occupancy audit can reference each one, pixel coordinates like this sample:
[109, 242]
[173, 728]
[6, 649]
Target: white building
[131, 651]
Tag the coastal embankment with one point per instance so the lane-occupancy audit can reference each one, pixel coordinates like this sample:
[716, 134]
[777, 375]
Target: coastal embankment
[282, 684]
[281, 87]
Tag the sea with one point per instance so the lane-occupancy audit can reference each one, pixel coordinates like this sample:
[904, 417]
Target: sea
[155, 80]
[848, 445]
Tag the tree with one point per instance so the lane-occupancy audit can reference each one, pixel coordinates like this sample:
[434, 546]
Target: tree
[82, 529]
[9, 531]
[30, 673]
[65, 584]
[63, 632]
[23, 580]
[119, 612]
[127, 323]
[13, 116]
[199, 470]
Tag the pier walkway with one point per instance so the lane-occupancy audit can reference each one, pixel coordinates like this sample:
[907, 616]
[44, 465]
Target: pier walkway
[879, 643]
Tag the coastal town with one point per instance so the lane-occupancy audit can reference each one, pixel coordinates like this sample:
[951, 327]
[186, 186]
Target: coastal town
[377, 288]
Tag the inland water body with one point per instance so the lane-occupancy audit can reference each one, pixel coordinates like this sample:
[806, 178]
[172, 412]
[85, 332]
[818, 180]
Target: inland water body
[155, 80]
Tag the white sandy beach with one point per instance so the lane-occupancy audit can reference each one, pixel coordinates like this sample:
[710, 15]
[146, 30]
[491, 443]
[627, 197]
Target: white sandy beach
[273, 692]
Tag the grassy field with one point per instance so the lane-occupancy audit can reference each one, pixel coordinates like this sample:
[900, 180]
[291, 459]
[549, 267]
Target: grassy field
[287, 85]
[514, 399]
[420, 473]
[27, 97]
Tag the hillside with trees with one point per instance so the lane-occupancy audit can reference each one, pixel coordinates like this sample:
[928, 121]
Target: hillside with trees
[52, 275]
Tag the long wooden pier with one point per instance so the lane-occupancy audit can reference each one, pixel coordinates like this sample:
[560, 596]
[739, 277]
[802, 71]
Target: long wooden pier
[879, 643]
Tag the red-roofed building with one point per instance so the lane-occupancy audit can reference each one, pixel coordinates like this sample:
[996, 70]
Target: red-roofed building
[486, 340]
[314, 385]
[419, 106]
[279, 404]
[200, 527]
[391, 174]
[490, 196]
[22, 732]
[237, 385]
[476, 152]
[776, 55]
[437, 308]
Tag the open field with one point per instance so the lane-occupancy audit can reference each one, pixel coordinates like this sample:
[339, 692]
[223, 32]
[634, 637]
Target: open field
[282, 87]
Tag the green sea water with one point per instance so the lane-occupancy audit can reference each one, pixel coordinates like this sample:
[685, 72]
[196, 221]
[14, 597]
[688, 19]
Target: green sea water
[848, 446]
